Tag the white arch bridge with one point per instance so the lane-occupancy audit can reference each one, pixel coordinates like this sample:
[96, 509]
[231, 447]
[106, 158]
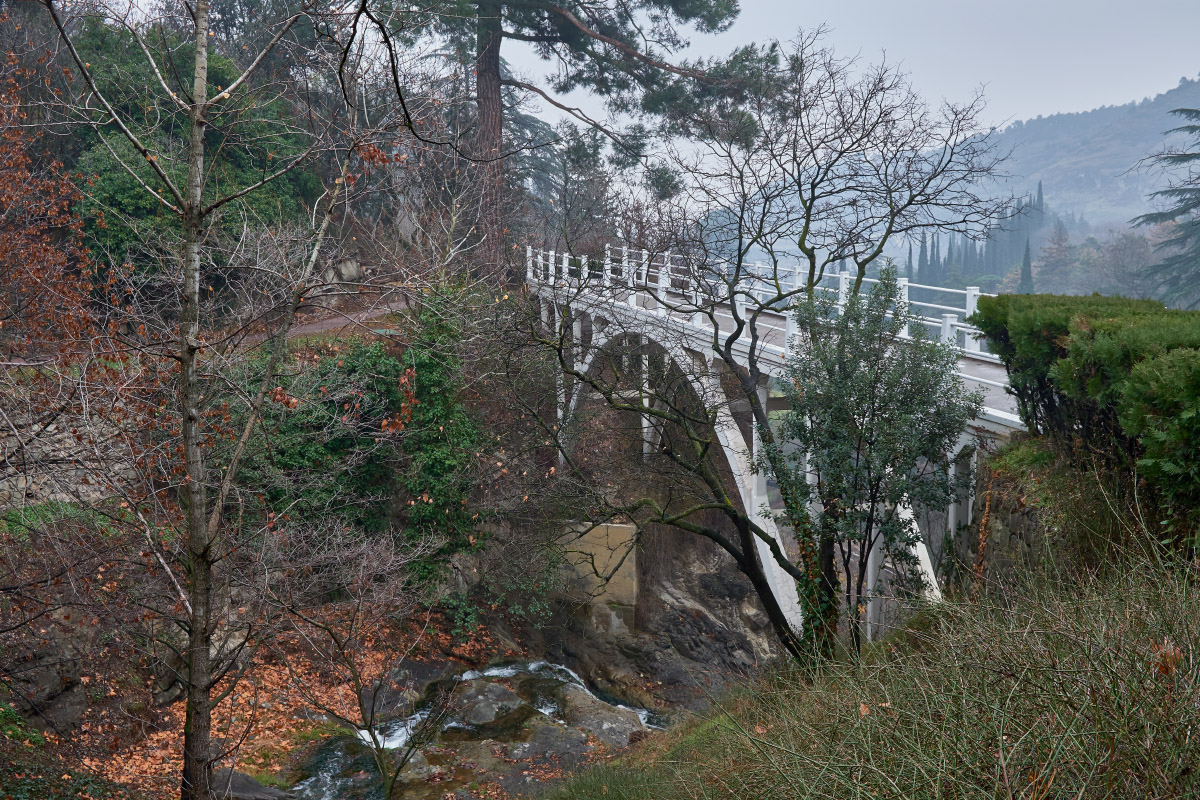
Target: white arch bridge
[689, 312]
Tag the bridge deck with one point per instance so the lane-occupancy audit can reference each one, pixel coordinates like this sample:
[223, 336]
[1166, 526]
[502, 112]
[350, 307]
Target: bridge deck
[995, 397]
[658, 298]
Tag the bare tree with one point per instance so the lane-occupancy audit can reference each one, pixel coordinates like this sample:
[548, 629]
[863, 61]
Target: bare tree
[361, 640]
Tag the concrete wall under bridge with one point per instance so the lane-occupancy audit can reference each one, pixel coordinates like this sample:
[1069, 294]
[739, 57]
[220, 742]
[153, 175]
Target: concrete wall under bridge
[603, 563]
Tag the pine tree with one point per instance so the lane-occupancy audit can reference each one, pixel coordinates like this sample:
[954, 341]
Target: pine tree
[1026, 286]
[601, 45]
[1178, 274]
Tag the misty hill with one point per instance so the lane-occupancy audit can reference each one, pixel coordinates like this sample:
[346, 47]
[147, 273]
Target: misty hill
[1086, 159]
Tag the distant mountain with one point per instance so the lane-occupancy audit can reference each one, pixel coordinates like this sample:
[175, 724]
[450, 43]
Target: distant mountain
[1088, 160]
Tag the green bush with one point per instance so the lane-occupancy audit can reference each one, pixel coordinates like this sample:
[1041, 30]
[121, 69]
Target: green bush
[1031, 333]
[1160, 405]
[1109, 379]
[324, 456]
[441, 439]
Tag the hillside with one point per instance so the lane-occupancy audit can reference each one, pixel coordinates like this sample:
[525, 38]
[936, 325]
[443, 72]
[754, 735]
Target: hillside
[1086, 160]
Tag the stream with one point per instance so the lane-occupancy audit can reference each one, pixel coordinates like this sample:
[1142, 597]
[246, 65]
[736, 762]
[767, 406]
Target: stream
[518, 725]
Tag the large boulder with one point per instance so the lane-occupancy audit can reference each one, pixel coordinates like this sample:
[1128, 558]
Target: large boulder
[46, 687]
[482, 702]
[551, 741]
[616, 727]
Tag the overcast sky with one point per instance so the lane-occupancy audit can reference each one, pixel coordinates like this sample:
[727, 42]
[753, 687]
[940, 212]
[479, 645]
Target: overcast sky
[1031, 56]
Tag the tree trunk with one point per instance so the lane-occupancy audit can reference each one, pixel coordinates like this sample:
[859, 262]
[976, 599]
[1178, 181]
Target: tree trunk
[489, 141]
[825, 627]
[197, 738]
[753, 570]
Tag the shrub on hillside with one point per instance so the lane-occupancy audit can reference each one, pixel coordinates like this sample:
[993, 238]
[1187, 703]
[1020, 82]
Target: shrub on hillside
[1160, 405]
[375, 437]
[1031, 333]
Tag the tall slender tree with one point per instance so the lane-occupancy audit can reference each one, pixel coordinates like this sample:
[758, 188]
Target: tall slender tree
[175, 352]
[923, 260]
[614, 48]
[1026, 286]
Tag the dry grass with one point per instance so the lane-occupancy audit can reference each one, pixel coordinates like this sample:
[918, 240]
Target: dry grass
[1080, 687]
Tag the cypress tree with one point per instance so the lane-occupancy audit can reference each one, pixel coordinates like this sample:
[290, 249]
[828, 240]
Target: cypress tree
[923, 261]
[1026, 286]
[908, 269]
[1041, 199]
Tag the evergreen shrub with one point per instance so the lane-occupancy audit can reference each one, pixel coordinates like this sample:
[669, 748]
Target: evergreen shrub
[1109, 379]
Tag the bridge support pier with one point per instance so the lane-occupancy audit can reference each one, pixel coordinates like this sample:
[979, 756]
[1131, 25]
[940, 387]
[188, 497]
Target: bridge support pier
[752, 490]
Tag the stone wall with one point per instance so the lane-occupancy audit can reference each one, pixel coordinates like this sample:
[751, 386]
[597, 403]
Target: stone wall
[1007, 529]
[66, 461]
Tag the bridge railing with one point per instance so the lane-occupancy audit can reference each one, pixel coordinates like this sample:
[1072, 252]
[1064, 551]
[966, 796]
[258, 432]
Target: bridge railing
[666, 279]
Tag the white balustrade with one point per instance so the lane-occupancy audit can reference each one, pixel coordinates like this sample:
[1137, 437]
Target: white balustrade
[656, 284]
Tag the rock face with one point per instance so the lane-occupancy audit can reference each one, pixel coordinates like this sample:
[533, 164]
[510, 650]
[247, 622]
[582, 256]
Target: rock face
[695, 626]
[45, 683]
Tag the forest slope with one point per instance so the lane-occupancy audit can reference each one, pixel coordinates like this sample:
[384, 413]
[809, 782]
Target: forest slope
[1088, 160]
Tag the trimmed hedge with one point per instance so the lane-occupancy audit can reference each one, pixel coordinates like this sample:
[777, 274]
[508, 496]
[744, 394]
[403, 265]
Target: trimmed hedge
[1109, 377]
[1160, 405]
